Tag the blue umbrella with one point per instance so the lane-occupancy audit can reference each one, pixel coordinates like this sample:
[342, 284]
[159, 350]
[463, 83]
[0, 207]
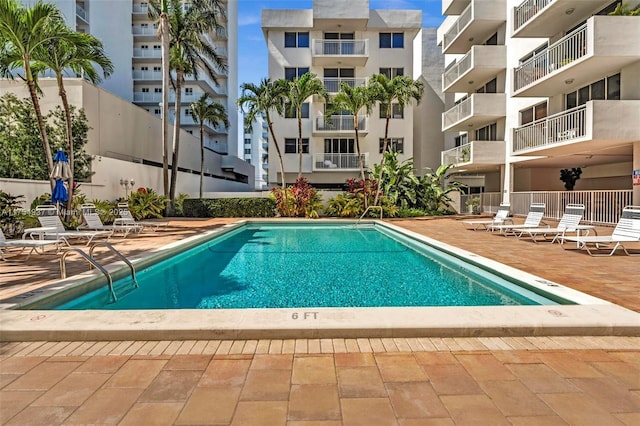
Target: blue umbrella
[60, 173]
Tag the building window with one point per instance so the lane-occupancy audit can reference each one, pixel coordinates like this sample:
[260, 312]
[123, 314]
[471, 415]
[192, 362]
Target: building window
[392, 72]
[293, 39]
[397, 111]
[391, 40]
[461, 139]
[288, 113]
[157, 90]
[393, 144]
[487, 133]
[490, 87]
[492, 41]
[157, 47]
[188, 112]
[156, 111]
[144, 68]
[247, 150]
[606, 88]
[291, 145]
[339, 146]
[188, 91]
[144, 46]
[536, 112]
[292, 73]
[145, 90]
[157, 69]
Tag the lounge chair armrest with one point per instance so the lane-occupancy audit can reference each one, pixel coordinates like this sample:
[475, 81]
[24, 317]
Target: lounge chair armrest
[124, 221]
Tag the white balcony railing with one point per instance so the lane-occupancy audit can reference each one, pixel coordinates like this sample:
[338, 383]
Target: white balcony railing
[140, 30]
[556, 56]
[81, 13]
[140, 8]
[458, 155]
[147, 75]
[457, 69]
[527, 10]
[337, 162]
[557, 128]
[458, 112]
[340, 123]
[458, 26]
[333, 84]
[146, 53]
[340, 47]
[157, 97]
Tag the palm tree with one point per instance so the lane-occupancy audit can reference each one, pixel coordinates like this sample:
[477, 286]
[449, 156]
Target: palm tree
[301, 89]
[77, 52]
[163, 34]
[213, 112]
[189, 52]
[399, 90]
[354, 99]
[22, 31]
[263, 99]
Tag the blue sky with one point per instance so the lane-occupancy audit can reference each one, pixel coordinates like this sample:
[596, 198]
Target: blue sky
[252, 50]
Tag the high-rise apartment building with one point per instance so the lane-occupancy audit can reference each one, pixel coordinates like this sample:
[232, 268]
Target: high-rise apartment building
[536, 86]
[130, 40]
[256, 150]
[341, 42]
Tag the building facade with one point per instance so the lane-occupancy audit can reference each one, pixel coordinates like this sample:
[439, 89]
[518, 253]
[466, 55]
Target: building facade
[537, 86]
[341, 42]
[130, 40]
[256, 150]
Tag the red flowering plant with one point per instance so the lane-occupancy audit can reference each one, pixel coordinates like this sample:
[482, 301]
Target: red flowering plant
[359, 194]
[297, 200]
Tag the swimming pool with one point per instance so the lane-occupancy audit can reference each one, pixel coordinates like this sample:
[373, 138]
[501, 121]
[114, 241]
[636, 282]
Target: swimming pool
[266, 265]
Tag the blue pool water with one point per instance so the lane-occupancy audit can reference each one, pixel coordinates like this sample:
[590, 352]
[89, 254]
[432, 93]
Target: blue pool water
[320, 265]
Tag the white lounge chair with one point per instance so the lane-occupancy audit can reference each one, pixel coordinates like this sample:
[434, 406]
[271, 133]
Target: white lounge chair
[627, 230]
[23, 244]
[53, 228]
[92, 221]
[127, 218]
[533, 220]
[569, 223]
[500, 218]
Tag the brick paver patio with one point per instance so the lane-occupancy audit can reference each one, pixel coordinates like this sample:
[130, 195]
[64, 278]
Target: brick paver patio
[581, 380]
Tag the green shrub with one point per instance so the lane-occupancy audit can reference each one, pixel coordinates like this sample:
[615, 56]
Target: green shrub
[411, 213]
[298, 200]
[229, 207]
[13, 219]
[145, 203]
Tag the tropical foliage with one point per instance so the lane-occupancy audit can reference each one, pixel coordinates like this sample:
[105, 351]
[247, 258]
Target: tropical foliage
[145, 203]
[353, 203]
[207, 110]
[12, 215]
[298, 200]
[20, 142]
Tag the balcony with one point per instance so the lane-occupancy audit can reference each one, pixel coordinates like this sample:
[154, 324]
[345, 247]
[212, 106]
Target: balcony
[349, 52]
[476, 154]
[339, 124]
[81, 14]
[480, 64]
[139, 75]
[597, 125]
[146, 53]
[329, 162]
[454, 7]
[600, 47]
[476, 23]
[140, 8]
[545, 18]
[156, 98]
[333, 84]
[476, 110]
[265, 145]
[139, 30]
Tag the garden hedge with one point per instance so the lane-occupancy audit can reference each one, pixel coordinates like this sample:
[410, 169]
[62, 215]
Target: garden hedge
[229, 207]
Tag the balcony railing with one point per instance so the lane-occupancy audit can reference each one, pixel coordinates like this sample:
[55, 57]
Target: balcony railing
[457, 69]
[139, 30]
[329, 161]
[157, 97]
[147, 75]
[146, 53]
[458, 112]
[557, 128]
[340, 47]
[333, 84]
[81, 13]
[458, 155]
[140, 8]
[340, 123]
[527, 10]
[458, 26]
[556, 56]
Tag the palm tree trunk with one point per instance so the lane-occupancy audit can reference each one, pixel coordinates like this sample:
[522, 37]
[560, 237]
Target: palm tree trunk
[43, 130]
[361, 163]
[275, 143]
[176, 142]
[201, 156]
[67, 114]
[164, 39]
[384, 151]
[299, 142]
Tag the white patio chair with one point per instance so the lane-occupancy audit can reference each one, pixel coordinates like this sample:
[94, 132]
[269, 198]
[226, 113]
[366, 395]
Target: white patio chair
[92, 221]
[127, 218]
[53, 228]
[500, 218]
[569, 223]
[533, 220]
[627, 230]
[23, 244]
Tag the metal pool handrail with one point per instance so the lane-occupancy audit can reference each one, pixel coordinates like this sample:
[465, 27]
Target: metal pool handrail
[118, 254]
[92, 261]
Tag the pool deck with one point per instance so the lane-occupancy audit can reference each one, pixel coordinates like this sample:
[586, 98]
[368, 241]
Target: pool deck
[335, 381]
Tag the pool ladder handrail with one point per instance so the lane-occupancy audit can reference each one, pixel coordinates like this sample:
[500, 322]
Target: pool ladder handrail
[93, 262]
[367, 210]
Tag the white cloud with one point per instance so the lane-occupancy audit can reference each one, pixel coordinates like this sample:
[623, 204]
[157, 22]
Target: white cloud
[244, 20]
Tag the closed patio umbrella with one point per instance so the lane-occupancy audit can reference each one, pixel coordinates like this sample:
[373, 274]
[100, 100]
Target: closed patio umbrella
[60, 173]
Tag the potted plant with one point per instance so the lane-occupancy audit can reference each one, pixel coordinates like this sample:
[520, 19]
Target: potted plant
[569, 177]
[473, 205]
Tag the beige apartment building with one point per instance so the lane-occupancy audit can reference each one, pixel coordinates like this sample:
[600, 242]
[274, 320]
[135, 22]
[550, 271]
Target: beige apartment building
[345, 42]
[536, 86]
